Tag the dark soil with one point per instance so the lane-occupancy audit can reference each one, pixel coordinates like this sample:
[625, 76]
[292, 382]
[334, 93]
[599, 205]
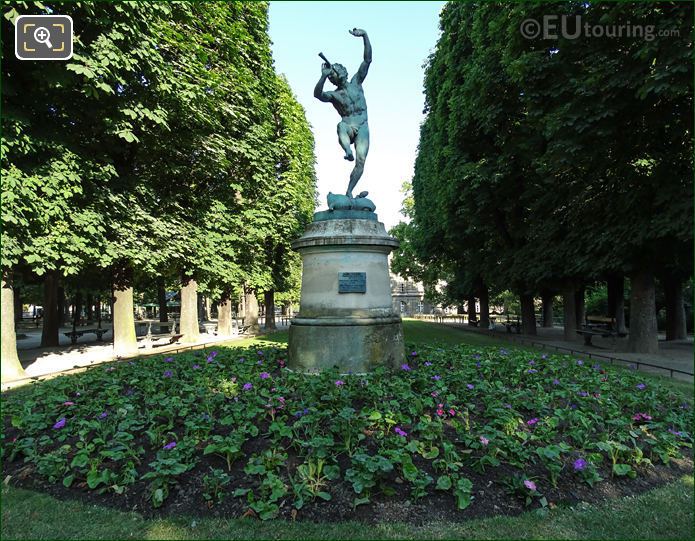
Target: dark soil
[491, 497]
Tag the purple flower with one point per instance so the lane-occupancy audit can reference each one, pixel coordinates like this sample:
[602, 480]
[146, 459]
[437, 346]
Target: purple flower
[580, 362]
[477, 365]
[436, 377]
[641, 417]
[103, 415]
[78, 393]
[405, 367]
[529, 484]
[675, 432]
[247, 387]
[508, 406]
[583, 393]
[470, 386]
[242, 359]
[434, 394]
[531, 371]
[170, 445]
[504, 351]
[413, 353]
[339, 383]
[260, 362]
[264, 375]
[641, 386]
[168, 374]
[532, 363]
[484, 441]
[169, 360]
[259, 352]
[59, 424]
[573, 406]
[427, 363]
[596, 367]
[544, 356]
[400, 432]
[532, 422]
[580, 464]
[556, 382]
[213, 354]
[196, 367]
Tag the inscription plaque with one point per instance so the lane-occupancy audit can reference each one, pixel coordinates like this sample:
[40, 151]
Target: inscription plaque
[352, 282]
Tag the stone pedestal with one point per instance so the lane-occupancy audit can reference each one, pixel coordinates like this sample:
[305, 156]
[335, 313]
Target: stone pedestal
[346, 319]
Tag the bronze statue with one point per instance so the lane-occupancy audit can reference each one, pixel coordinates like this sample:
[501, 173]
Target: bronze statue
[348, 100]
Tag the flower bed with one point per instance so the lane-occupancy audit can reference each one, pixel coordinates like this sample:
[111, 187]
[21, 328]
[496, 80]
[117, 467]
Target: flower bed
[456, 430]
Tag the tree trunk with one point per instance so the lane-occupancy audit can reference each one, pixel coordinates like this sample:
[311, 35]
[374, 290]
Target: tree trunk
[484, 307]
[77, 314]
[642, 337]
[460, 309]
[570, 313]
[10, 367]
[63, 309]
[189, 325]
[251, 310]
[18, 309]
[283, 309]
[547, 299]
[269, 297]
[162, 301]
[124, 340]
[51, 321]
[616, 301]
[675, 310]
[97, 310]
[88, 307]
[528, 314]
[472, 317]
[224, 316]
[579, 306]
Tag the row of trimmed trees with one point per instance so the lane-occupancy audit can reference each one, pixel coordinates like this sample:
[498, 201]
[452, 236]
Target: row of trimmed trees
[545, 165]
[167, 149]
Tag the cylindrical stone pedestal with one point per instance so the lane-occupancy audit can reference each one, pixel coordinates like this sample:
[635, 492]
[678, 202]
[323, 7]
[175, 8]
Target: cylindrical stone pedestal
[346, 318]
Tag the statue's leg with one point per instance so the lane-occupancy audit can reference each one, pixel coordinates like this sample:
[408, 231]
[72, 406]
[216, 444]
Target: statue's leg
[344, 140]
[361, 150]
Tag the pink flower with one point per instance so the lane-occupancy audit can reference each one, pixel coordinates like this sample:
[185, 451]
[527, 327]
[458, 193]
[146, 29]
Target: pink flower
[484, 441]
[400, 432]
[339, 383]
[532, 422]
[68, 403]
[529, 484]
[452, 412]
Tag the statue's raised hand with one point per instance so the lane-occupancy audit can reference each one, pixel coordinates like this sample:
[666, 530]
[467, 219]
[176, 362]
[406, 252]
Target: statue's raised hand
[357, 32]
[326, 69]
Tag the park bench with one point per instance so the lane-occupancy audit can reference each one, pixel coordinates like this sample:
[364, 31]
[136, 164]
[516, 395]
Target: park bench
[589, 331]
[74, 335]
[244, 329]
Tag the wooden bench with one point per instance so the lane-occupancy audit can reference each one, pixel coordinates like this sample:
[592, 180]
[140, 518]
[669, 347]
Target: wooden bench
[74, 335]
[589, 333]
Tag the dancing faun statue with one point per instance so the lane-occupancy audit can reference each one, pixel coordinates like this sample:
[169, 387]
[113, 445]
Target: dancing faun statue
[348, 100]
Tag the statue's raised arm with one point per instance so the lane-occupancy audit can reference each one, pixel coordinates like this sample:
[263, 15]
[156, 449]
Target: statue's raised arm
[364, 66]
